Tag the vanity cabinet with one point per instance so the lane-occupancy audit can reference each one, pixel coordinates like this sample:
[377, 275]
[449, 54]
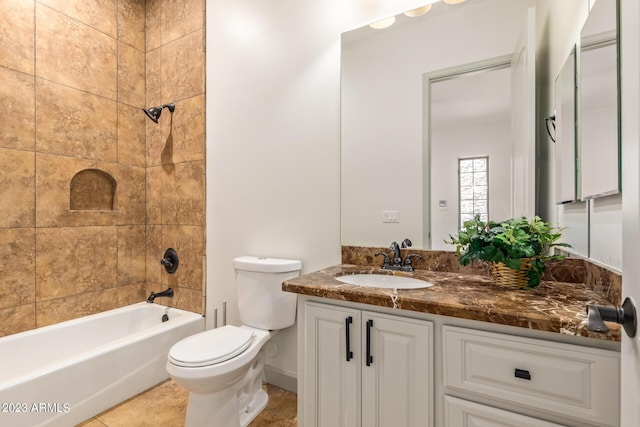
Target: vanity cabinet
[578, 383]
[364, 368]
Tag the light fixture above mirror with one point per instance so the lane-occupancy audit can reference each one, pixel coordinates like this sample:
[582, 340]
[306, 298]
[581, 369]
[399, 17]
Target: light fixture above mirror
[413, 13]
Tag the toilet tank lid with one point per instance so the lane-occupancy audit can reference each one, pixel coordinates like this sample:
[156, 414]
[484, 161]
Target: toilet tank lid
[266, 265]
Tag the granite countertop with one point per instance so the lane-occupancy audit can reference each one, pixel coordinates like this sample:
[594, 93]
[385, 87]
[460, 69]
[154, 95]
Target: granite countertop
[552, 306]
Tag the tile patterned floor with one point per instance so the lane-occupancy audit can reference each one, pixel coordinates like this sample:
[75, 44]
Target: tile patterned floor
[166, 404]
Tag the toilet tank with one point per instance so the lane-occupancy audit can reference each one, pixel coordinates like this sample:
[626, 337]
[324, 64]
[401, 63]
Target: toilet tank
[261, 301]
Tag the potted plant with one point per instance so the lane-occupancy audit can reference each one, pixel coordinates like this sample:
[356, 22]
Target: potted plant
[516, 249]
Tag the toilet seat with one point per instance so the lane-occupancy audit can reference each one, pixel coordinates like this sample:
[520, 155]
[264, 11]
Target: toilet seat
[211, 347]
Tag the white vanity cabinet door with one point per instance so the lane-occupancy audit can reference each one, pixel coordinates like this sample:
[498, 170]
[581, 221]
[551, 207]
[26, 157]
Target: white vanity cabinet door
[462, 413]
[580, 383]
[395, 387]
[332, 383]
[397, 380]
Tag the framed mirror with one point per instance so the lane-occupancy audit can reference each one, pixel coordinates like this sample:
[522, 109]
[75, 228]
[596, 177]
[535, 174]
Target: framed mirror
[386, 158]
[598, 107]
[565, 132]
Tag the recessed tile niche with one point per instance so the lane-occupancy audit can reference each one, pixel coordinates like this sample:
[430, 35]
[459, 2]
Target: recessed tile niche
[92, 189]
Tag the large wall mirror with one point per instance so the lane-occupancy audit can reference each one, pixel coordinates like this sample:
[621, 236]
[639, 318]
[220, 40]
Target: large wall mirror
[598, 114]
[408, 92]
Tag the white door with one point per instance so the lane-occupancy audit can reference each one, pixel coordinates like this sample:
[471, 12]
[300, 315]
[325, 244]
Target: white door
[396, 371]
[630, 109]
[332, 378]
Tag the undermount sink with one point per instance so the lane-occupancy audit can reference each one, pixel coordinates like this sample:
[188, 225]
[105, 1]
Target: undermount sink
[383, 281]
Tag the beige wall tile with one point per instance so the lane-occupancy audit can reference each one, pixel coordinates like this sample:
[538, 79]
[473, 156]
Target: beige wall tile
[160, 140]
[75, 123]
[131, 75]
[188, 241]
[17, 43]
[17, 268]
[131, 135]
[75, 306]
[17, 91]
[154, 78]
[154, 195]
[131, 23]
[92, 252]
[188, 299]
[154, 252]
[132, 294]
[183, 67]
[74, 54]
[185, 131]
[17, 189]
[183, 194]
[17, 319]
[53, 178]
[153, 23]
[99, 14]
[131, 255]
[131, 195]
[180, 17]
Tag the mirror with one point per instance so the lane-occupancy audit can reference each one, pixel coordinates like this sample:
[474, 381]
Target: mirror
[598, 106]
[387, 160]
[565, 132]
[470, 136]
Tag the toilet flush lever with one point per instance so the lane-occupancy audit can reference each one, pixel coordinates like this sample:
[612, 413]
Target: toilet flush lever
[624, 315]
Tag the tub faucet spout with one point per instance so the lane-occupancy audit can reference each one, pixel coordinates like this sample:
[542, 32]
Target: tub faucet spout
[165, 293]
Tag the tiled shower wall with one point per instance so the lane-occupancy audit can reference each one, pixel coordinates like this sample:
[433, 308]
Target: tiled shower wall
[73, 82]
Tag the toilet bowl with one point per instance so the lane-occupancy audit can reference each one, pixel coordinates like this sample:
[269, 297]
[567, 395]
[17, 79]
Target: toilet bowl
[223, 368]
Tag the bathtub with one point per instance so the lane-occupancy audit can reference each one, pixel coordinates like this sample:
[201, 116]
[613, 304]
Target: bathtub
[63, 374]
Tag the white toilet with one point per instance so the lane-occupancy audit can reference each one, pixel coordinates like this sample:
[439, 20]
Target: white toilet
[222, 368]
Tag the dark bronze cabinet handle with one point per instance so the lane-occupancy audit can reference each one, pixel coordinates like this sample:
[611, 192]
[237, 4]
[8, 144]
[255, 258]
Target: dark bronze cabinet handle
[347, 323]
[369, 356]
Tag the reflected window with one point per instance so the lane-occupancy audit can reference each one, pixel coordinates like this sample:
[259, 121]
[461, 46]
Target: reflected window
[473, 187]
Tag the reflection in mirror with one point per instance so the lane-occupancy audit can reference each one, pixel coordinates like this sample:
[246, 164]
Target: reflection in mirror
[385, 157]
[471, 138]
[598, 106]
[565, 132]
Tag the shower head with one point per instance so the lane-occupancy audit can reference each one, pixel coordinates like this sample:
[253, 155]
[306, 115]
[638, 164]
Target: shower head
[154, 112]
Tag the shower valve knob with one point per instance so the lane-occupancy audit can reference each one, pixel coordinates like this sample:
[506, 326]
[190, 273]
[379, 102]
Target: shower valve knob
[170, 260]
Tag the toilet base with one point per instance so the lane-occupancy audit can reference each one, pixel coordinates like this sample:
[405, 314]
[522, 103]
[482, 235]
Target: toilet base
[235, 406]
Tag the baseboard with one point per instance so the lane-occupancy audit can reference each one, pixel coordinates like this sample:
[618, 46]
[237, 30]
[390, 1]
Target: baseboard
[281, 378]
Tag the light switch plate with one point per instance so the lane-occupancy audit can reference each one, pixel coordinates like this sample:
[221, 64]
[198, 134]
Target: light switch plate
[390, 216]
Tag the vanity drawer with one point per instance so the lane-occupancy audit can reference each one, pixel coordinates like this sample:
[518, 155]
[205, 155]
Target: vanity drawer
[458, 412]
[568, 380]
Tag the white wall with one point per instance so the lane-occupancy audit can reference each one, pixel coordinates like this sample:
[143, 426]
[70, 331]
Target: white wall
[448, 145]
[273, 137]
[382, 111]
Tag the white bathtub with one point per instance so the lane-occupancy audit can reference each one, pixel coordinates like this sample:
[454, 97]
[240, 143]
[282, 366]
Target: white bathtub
[63, 374]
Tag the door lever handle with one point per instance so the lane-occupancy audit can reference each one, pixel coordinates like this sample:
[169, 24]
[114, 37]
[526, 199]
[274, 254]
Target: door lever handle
[625, 315]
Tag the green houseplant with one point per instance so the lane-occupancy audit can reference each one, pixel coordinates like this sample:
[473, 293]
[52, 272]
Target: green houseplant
[516, 243]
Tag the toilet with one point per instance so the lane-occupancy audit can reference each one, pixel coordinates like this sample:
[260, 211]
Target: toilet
[222, 367]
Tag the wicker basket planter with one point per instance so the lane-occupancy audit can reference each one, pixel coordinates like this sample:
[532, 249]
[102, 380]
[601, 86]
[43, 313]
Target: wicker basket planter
[508, 277]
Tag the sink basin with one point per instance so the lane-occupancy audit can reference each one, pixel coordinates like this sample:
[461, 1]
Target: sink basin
[383, 281]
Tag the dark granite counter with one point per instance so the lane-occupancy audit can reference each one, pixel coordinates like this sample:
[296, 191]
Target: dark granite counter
[553, 306]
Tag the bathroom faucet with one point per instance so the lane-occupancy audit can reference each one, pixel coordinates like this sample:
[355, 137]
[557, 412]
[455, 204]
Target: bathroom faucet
[397, 257]
[394, 262]
[165, 293]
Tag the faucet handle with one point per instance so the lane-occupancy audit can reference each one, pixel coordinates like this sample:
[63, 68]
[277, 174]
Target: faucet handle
[406, 243]
[407, 259]
[387, 260]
